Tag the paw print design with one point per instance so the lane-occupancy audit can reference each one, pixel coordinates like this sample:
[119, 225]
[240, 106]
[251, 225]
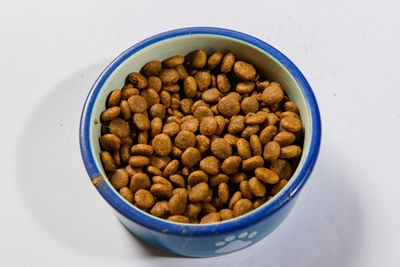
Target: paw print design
[232, 242]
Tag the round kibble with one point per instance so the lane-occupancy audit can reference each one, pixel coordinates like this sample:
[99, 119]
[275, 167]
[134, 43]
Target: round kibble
[108, 161]
[223, 83]
[185, 139]
[198, 192]
[197, 59]
[210, 95]
[119, 178]
[162, 180]
[139, 181]
[203, 80]
[137, 80]
[241, 207]
[127, 194]
[155, 126]
[245, 87]
[190, 125]
[231, 139]
[211, 217]
[291, 106]
[272, 151]
[193, 210]
[110, 142]
[168, 76]
[158, 111]
[221, 149]
[144, 199]
[155, 83]
[267, 134]
[203, 143]
[186, 105]
[160, 209]
[201, 112]
[126, 93]
[252, 163]
[256, 187]
[210, 165]
[291, 124]
[208, 126]
[227, 62]
[266, 175]
[190, 86]
[110, 113]
[177, 180]
[178, 219]
[165, 98]
[190, 157]
[236, 124]
[162, 144]
[288, 152]
[249, 104]
[243, 148]
[171, 129]
[226, 214]
[272, 119]
[197, 177]
[214, 60]
[273, 94]
[139, 161]
[173, 61]
[285, 138]
[141, 121]
[114, 98]
[161, 191]
[152, 68]
[231, 165]
[244, 71]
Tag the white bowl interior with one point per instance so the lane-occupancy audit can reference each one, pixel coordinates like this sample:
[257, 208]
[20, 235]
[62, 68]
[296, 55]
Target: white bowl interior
[265, 64]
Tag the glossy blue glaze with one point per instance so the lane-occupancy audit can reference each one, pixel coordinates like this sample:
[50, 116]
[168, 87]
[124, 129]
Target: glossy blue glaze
[212, 239]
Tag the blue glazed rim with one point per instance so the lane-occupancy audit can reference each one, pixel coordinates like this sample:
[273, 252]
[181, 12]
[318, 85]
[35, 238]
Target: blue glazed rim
[163, 226]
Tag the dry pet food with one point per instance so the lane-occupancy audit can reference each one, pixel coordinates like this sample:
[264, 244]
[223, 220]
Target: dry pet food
[199, 139]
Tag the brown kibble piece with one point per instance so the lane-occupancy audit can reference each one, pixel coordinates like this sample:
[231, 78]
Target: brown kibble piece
[119, 178]
[162, 144]
[139, 161]
[144, 199]
[245, 189]
[186, 105]
[155, 83]
[249, 105]
[208, 126]
[226, 214]
[177, 204]
[291, 124]
[141, 121]
[220, 125]
[161, 191]
[193, 210]
[227, 62]
[256, 145]
[267, 134]
[108, 161]
[185, 139]
[197, 177]
[127, 194]
[110, 142]
[203, 80]
[236, 124]
[256, 187]
[177, 180]
[241, 207]
[182, 71]
[285, 138]
[244, 71]
[128, 92]
[178, 219]
[282, 167]
[223, 83]
[168, 76]
[201, 112]
[257, 118]
[218, 179]
[214, 60]
[158, 111]
[125, 110]
[258, 202]
[119, 127]
[212, 217]
[160, 209]
[155, 126]
[210, 95]
[272, 94]
[252, 163]
[165, 98]
[223, 193]
[159, 162]
[245, 87]
[171, 168]
[272, 119]
[114, 98]
[142, 149]
[288, 152]
[243, 148]
[231, 165]
[110, 113]
[221, 149]
[190, 157]
[266, 175]
[198, 192]
[125, 153]
[278, 187]
[197, 59]
[271, 151]
[137, 80]
[154, 171]
[152, 68]
[210, 165]
[173, 61]
[162, 180]
[235, 198]
[171, 129]
[231, 139]
[250, 130]
[291, 106]
[190, 86]
[203, 143]
[190, 125]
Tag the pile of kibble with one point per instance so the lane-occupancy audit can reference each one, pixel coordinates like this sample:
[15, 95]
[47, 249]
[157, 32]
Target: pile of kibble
[199, 139]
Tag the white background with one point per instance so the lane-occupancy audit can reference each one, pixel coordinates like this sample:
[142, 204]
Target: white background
[51, 53]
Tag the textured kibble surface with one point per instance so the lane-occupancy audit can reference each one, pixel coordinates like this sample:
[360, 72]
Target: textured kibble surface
[199, 138]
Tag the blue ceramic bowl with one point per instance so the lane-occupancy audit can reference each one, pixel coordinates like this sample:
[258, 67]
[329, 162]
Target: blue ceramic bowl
[217, 238]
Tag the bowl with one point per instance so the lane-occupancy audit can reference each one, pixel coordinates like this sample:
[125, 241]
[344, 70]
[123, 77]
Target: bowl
[202, 240]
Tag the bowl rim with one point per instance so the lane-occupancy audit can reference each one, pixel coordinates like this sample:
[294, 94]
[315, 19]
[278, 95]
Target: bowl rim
[257, 215]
